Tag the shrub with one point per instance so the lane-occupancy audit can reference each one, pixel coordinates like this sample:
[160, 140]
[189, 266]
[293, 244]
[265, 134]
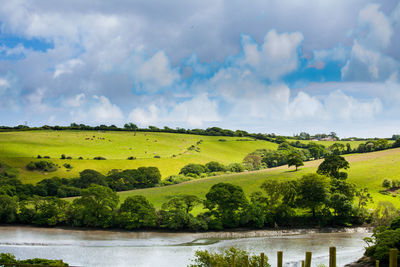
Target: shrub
[157, 157]
[214, 166]
[193, 169]
[235, 167]
[42, 165]
[46, 157]
[205, 258]
[222, 140]
[39, 157]
[131, 158]
[68, 166]
[62, 156]
[387, 183]
[99, 158]
[80, 158]
[69, 158]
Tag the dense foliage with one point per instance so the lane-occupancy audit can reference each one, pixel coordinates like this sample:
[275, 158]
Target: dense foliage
[142, 177]
[8, 258]
[204, 258]
[309, 201]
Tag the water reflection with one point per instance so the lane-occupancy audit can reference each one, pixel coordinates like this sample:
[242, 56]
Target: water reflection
[106, 248]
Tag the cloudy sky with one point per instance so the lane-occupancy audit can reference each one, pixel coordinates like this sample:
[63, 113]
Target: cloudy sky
[262, 66]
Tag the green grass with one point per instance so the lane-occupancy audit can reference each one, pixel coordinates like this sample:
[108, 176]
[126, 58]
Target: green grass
[19, 148]
[366, 170]
[353, 144]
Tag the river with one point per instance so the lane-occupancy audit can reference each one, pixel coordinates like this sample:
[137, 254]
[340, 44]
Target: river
[108, 248]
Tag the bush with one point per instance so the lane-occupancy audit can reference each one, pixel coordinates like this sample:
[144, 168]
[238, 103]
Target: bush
[214, 166]
[62, 156]
[196, 169]
[80, 158]
[204, 258]
[175, 179]
[99, 158]
[42, 165]
[68, 166]
[387, 183]
[131, 158]
[235, 167]
[157, 157]
[39, 157]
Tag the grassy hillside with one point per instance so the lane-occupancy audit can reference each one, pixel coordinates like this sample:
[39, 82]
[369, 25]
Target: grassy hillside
[19, 148]
[366, 170]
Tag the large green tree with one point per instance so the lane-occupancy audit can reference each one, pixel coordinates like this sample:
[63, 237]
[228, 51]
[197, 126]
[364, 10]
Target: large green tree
[137, 212]
[226, 202]
[332, 165]
[313, 191]
[95, 208]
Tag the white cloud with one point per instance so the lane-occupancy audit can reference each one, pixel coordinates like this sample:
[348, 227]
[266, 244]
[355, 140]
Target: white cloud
[99, 110]
[378, 27]
[75, 101]
[67, 67]
[193, 113]
[144, 116]
[340, 106]
[304, 106]
[276, 57]
[151, 74]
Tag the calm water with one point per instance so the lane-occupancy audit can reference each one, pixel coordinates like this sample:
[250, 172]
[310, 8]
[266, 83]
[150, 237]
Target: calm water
[104, 248]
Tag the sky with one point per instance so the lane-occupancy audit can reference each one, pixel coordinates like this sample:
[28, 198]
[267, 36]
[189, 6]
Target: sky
[265, 66]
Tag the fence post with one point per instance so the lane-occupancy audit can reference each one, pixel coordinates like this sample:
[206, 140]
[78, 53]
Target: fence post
[233, 261]
[393, 257]
[262, 259]
[377, 263]
[280, 258]
[308, 259]
[332, 257]
[246, 261]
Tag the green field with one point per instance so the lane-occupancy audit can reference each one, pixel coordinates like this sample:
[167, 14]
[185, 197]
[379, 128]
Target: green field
[366, 170]
[19, 148]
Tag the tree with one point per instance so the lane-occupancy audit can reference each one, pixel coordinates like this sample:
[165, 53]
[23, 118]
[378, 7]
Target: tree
[294, 159]
[191, 168]
[226, 202]
[88, 177]
[312, 191]
[95, 208]
[331, 166]
[183, 202]
[8, 209]
[131, 126]
[137, 212]
[363, 197]
[253, 161]
[214, 166]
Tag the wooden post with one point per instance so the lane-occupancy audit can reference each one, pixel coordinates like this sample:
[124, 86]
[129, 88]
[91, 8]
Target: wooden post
[308, 259]
[262, 259]
[393, 257]
[233, 261]
[332, 257]
[302, 263]
[377, 263]
[246, 261]
[280, 258]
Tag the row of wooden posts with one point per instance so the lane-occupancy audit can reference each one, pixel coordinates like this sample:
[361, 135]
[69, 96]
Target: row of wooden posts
[307, 262]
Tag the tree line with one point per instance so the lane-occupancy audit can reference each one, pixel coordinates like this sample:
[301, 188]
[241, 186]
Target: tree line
[117, 180]
[295, 152]
[323, 198]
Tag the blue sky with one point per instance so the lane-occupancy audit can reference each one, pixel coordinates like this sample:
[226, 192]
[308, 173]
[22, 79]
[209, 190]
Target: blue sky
[262, 66]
